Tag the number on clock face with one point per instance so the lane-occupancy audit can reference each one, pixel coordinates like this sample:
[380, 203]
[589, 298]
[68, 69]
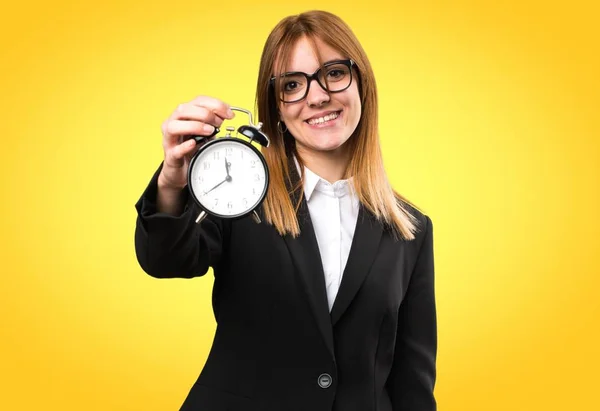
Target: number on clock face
[228, 178]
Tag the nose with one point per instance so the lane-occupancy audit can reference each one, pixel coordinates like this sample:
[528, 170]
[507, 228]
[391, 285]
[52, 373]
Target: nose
[317, 95]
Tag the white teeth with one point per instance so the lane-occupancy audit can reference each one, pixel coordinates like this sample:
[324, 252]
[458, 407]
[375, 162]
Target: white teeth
[322, 120]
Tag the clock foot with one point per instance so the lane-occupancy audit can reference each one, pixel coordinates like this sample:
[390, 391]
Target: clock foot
[201, 217]
[256, 217]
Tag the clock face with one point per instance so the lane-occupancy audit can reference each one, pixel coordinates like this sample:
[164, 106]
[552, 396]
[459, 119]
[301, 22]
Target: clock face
[228, 177]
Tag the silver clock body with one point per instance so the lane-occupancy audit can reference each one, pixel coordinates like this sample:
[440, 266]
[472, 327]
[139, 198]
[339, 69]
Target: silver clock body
[228, 178]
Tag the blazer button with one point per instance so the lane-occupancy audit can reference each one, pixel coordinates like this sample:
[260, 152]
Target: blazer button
[325, 380]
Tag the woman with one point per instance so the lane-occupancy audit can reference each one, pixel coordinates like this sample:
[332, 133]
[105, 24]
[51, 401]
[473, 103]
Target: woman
[329, 303]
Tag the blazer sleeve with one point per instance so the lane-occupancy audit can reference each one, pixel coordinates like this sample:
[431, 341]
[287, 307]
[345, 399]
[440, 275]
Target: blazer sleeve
[412, 378]
[175, 246]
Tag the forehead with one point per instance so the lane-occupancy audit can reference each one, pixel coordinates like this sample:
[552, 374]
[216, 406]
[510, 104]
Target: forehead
[303, 56]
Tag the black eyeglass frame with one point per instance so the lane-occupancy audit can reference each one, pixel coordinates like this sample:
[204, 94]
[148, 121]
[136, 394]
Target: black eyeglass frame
[315, 76]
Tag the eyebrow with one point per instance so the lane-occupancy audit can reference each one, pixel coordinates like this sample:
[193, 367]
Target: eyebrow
[298, 71]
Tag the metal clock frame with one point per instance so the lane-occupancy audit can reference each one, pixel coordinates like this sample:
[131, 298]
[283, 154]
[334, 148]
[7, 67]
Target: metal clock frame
[252, 132]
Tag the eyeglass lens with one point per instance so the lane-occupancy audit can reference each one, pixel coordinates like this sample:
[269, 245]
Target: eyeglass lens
[294, 86]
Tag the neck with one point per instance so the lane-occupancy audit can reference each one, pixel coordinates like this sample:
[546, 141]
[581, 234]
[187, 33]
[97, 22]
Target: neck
[329, 165]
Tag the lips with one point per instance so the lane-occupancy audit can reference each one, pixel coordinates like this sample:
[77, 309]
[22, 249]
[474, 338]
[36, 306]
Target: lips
[324, 117]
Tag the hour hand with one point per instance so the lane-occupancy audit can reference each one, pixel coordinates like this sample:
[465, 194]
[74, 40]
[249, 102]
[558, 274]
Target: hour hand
[227, 167]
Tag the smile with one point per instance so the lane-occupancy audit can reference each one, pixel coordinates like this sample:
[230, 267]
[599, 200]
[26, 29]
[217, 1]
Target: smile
[325, 119]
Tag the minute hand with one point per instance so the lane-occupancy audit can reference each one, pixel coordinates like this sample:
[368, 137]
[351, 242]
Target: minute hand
[226, 179]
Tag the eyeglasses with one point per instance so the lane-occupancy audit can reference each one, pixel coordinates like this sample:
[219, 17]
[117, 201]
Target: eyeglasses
[333, 77]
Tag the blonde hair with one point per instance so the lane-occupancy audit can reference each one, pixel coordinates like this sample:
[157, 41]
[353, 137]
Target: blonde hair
[370, 181]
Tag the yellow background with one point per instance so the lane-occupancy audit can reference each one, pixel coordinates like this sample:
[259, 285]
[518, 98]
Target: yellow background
[489, 122]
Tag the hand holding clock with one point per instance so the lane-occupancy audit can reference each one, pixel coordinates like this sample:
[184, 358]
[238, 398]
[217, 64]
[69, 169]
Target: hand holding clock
[194, 161]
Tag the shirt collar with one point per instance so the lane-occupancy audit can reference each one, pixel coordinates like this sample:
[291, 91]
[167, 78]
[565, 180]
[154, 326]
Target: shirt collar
[313, 182]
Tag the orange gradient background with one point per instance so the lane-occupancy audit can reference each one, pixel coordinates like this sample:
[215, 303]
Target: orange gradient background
[489, 122]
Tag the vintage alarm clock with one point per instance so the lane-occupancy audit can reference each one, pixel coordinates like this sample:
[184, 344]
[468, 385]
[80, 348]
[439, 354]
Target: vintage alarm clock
[228, 177]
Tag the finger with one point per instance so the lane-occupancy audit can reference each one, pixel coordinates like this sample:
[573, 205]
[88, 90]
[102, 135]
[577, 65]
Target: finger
[199, 145]
[218, 107]
[173, 130]
[182, 150]
[189, 111]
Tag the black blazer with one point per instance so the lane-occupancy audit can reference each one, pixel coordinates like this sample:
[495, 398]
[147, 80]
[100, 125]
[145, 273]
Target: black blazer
[276, 346]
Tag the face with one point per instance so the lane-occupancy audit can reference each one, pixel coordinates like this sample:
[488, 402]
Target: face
[322, 122]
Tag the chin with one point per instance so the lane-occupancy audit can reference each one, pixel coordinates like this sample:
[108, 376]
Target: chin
[321, 142]
[329, 146]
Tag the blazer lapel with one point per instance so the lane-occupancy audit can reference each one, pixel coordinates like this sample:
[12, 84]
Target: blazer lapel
[305, 254]
[362, 253]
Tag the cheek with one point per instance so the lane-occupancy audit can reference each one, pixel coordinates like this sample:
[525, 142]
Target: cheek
[357, 108]
[358, 112]
[354, 113]
[289, 114]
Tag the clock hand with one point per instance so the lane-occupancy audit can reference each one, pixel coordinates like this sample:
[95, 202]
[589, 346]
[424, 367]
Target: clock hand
[227, 179]
[227, 167]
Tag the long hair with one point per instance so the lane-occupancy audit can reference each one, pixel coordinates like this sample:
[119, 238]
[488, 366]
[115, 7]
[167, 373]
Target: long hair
[366, 168]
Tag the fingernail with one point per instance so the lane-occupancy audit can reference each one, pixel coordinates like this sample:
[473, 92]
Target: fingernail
[208, 128]
[230, 112]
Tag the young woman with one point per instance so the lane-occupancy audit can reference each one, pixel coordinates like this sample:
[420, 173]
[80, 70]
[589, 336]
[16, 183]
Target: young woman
[328, 304]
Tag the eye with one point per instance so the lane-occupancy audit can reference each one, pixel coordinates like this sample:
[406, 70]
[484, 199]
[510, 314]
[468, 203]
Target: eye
[293, 83]
[336, 72]
[289, 86]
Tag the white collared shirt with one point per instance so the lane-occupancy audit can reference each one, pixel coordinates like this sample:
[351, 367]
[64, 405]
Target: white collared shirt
[334, 211]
